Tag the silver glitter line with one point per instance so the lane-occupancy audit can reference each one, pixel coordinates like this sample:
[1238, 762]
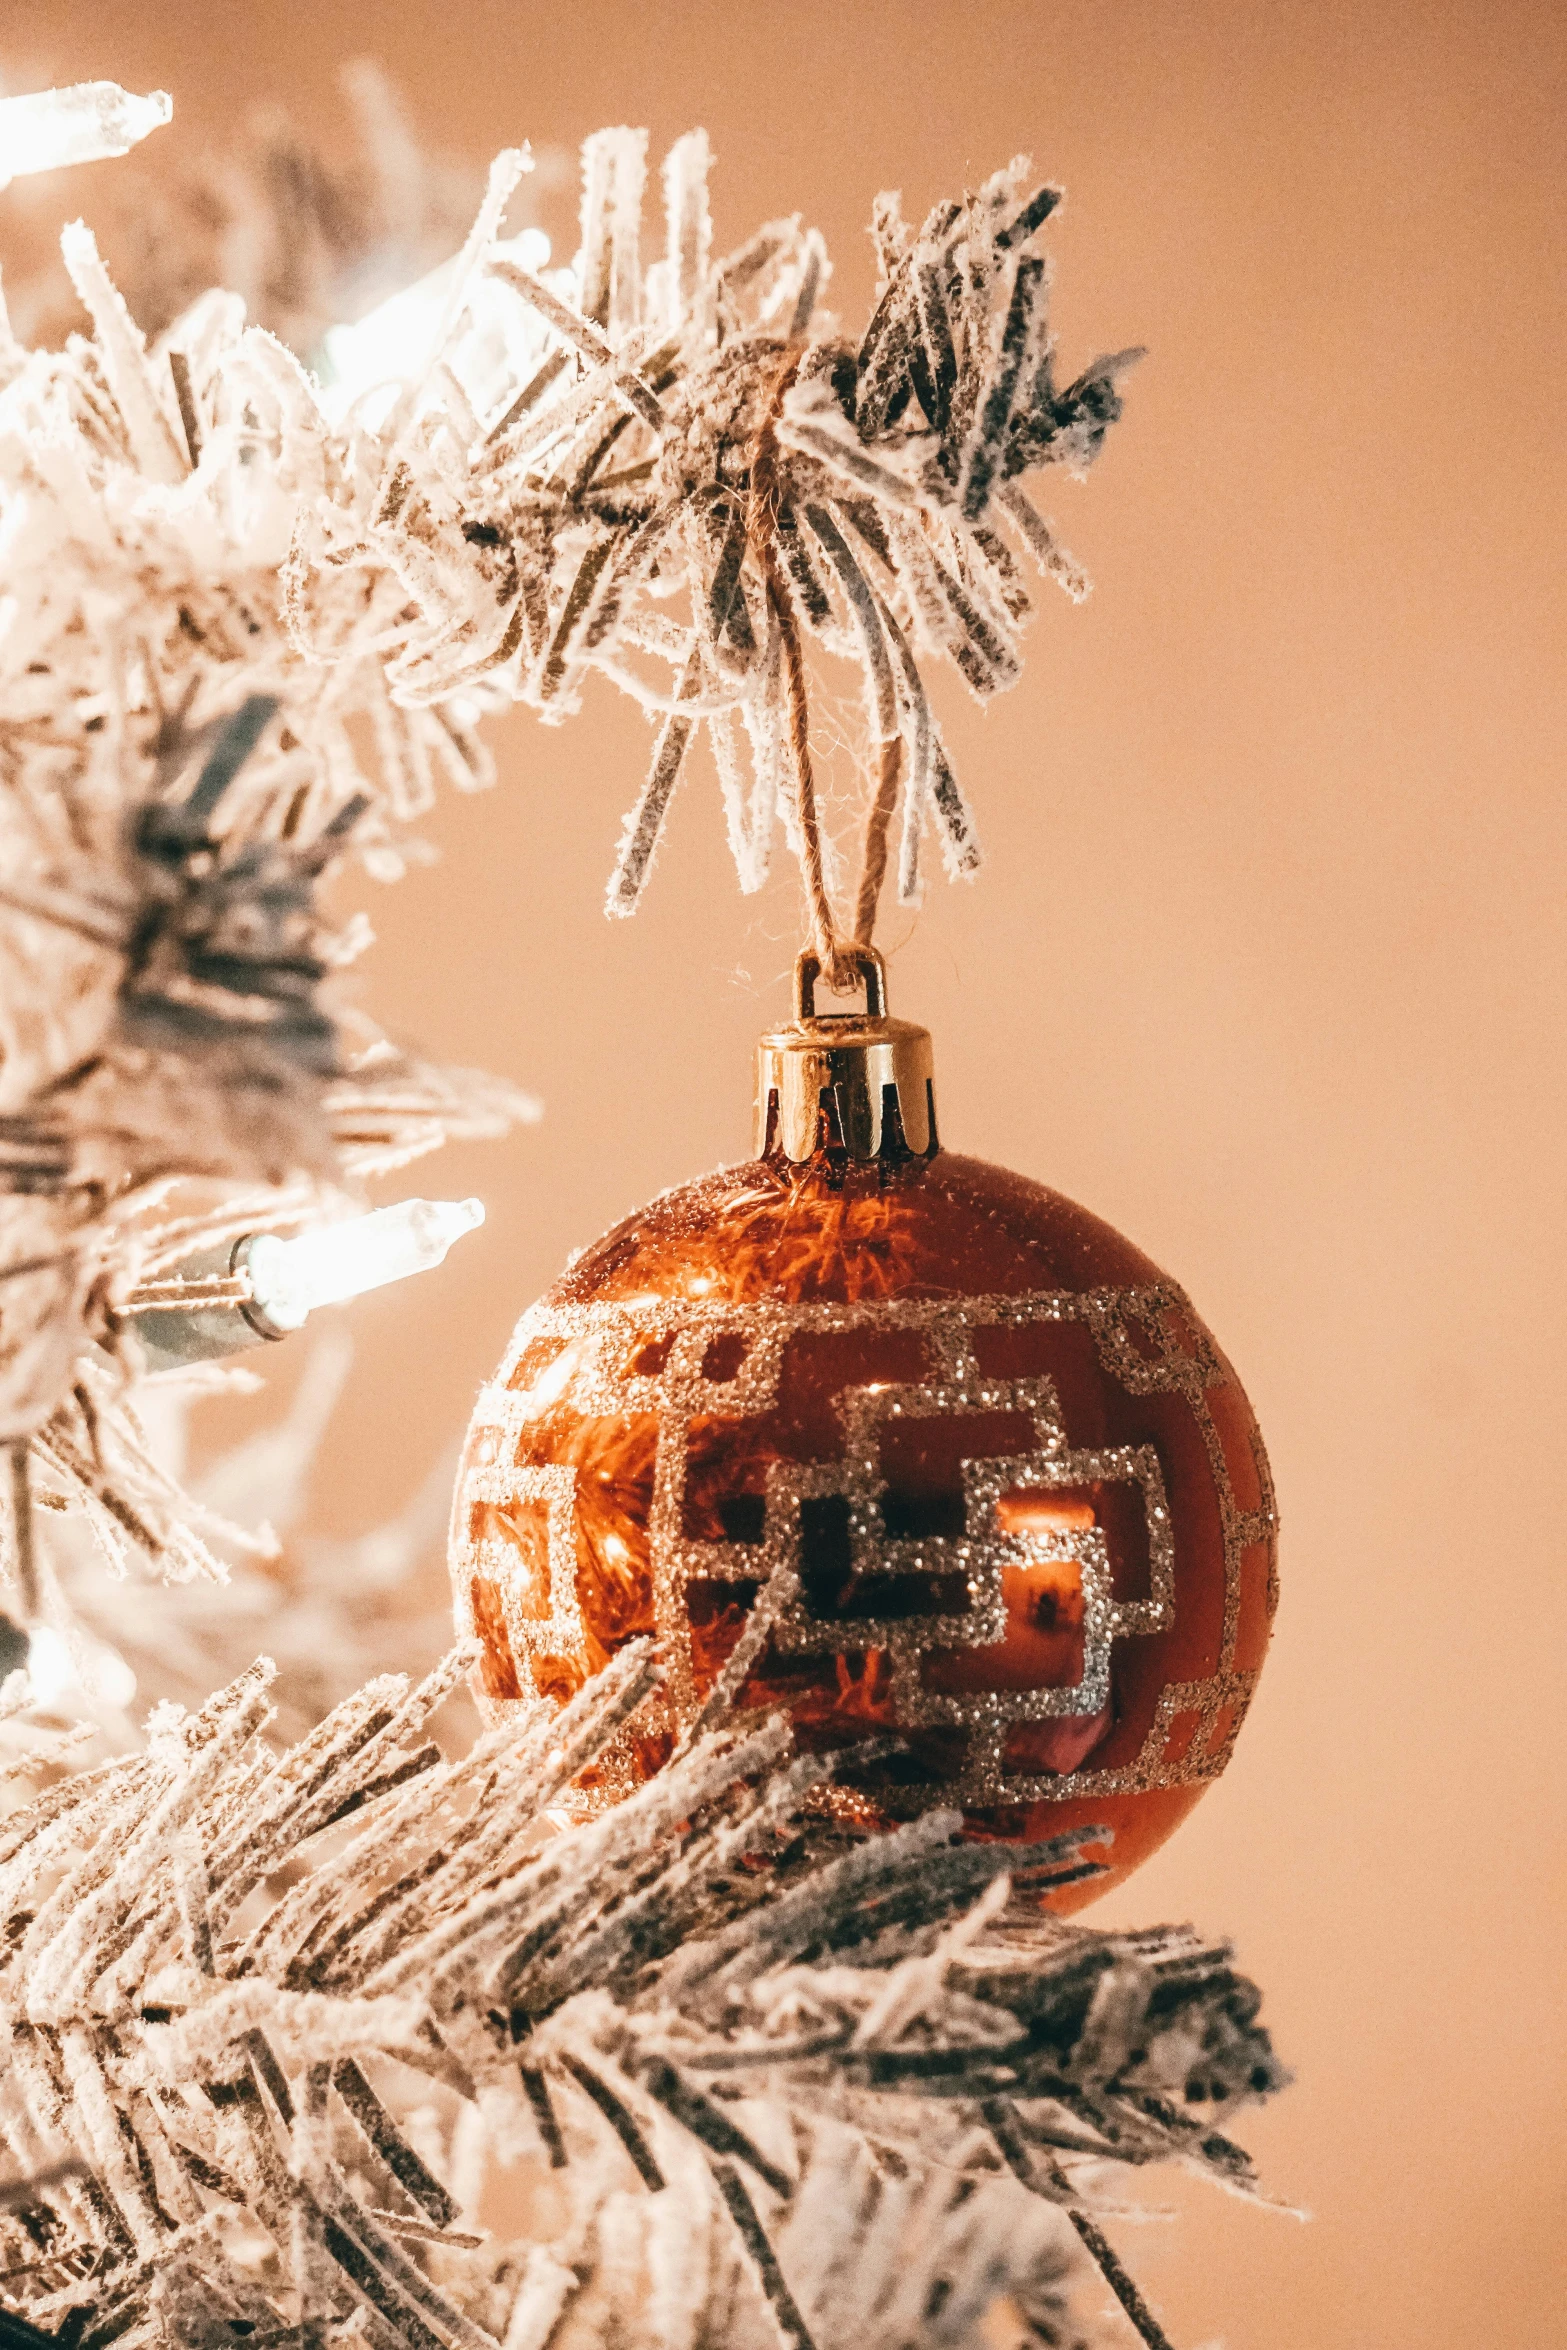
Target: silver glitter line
[1147, 1338]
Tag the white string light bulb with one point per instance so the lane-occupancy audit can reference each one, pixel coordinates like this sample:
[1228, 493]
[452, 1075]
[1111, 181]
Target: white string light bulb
[50, 128]
[393, 344]
[290, 1278]
[57, 1668]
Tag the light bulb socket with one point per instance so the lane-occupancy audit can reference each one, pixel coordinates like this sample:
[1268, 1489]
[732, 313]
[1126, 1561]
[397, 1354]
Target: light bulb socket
[849, 1086]
[251, 1310]
[179, 1334]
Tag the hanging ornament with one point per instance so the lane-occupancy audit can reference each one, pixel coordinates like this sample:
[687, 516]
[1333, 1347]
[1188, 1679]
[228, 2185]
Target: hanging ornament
[898, 1443]
[892, 1440]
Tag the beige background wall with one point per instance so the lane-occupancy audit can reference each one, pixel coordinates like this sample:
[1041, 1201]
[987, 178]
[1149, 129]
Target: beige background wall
[1266, 965]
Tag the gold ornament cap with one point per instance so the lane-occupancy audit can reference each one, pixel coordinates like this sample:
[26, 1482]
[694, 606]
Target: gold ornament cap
[855, 1085]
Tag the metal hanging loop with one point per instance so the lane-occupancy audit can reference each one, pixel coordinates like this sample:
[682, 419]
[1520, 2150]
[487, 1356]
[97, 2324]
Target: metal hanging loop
[853, 1086]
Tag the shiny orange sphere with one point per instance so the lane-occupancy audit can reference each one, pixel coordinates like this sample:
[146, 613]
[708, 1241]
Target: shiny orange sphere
[924, 1455]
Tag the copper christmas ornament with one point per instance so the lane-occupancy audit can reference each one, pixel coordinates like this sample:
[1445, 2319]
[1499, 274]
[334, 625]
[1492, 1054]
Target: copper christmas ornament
[896, 1441]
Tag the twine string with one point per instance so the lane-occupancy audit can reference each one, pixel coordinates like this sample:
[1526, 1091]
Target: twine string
[839, 968]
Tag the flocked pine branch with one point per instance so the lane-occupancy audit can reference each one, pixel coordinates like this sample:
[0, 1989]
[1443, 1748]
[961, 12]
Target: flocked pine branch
[263, 2010]
[700, 471]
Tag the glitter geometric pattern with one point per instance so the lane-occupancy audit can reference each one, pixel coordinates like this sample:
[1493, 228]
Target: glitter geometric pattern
[591, 1373]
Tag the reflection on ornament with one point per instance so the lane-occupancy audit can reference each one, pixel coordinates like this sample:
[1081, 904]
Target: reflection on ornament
[896, 1441]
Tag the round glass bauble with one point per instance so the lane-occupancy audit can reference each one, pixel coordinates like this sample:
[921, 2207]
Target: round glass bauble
[925, 1456]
